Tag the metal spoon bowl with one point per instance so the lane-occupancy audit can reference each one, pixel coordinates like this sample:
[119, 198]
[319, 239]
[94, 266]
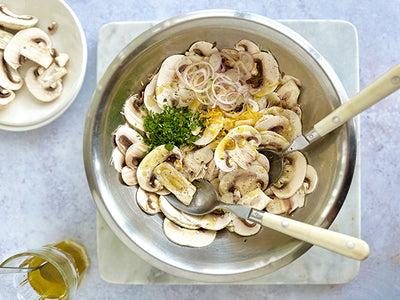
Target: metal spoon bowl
[206, 200]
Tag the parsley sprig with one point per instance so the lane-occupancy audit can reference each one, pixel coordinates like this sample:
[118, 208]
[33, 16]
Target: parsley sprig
[172, 127]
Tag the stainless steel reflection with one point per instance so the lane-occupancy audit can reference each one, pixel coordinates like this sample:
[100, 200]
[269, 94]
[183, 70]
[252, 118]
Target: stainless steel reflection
[230, 258]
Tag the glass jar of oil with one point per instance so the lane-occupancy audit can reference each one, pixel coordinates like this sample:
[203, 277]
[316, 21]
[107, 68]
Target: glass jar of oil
[61, 268]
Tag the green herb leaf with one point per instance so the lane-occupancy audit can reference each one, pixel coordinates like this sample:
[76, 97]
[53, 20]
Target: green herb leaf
[172, 127]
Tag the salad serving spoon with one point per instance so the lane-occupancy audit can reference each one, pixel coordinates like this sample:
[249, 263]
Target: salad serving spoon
[206, 200]
[373, 93]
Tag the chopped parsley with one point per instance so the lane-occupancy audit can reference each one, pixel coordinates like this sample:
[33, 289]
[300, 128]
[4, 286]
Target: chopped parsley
[172, 127]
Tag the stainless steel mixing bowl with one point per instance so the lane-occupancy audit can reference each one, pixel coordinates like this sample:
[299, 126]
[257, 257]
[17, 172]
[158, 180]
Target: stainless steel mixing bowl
[231, 257]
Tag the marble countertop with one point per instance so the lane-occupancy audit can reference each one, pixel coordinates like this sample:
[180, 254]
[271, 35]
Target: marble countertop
[44, 195]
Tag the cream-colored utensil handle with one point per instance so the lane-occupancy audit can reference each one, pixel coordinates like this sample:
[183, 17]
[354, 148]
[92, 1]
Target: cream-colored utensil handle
[376, 91]
[337, 242]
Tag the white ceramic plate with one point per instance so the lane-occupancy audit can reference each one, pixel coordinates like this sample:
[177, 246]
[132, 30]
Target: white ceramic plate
[25, 112]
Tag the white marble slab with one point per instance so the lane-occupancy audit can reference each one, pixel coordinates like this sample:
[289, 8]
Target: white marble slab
[337, 42]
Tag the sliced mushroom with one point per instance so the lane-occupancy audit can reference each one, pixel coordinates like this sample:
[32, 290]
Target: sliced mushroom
[278, 206]
[11, 20]
[61, 59]
[210, 133]
[52, 28]
[33, 44]
[148, 202]
[297, 200]
[125, 136]
[311, 180]
[177, 216]
[175, 182]
[292, 178]
[294, 128]
[272, 123]
[188, 237]
[273, 141]
[193, 168]
[135, 153]
[243, 227]
[268, 75]
[289, 205]
[229, 56]
[246, 45]
[202, 48]
[5, 38]
[9, 77]
[195, 162]
[237, 148]
[289, 93]
[166, 79]
[51, 75]
[212, 221]
[149, 97]
[211, 171]
[44, 94]
[244, 180]
[146, 177]
[133, 112]
[255, 199]
[262, 161]
[117, 159]
[129, 175]
[6, 97]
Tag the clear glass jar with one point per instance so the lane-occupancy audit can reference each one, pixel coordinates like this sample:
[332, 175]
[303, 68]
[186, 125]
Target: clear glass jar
[64, 266]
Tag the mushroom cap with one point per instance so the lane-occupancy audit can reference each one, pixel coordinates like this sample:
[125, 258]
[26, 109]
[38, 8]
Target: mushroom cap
[125, 136]
[294, 172]
[145, 172]
[166, 75]
[278, 206]
[24, 39]
[294, 128]
[135, 153]
[269, 70]
[255, 199]
[289, 93]
[11, 20]
[149, 97]
[148, 202]
[175, 182]
[193, 168]
[117, 159]
[244, 180]
[209, 134]
[237, 148]
[272, 123]
[6, 97]
[188, 237]
[273, 141]
[37, 90]
[5, 38]
[177, 216]
[9, 77]
[311, 180]
[211, 221]
[203, 48]
[129, 175]
[133, 112]
[247, 45]
[243, 227]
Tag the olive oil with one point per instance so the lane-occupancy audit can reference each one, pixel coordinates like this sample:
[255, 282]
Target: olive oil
[47, 280]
